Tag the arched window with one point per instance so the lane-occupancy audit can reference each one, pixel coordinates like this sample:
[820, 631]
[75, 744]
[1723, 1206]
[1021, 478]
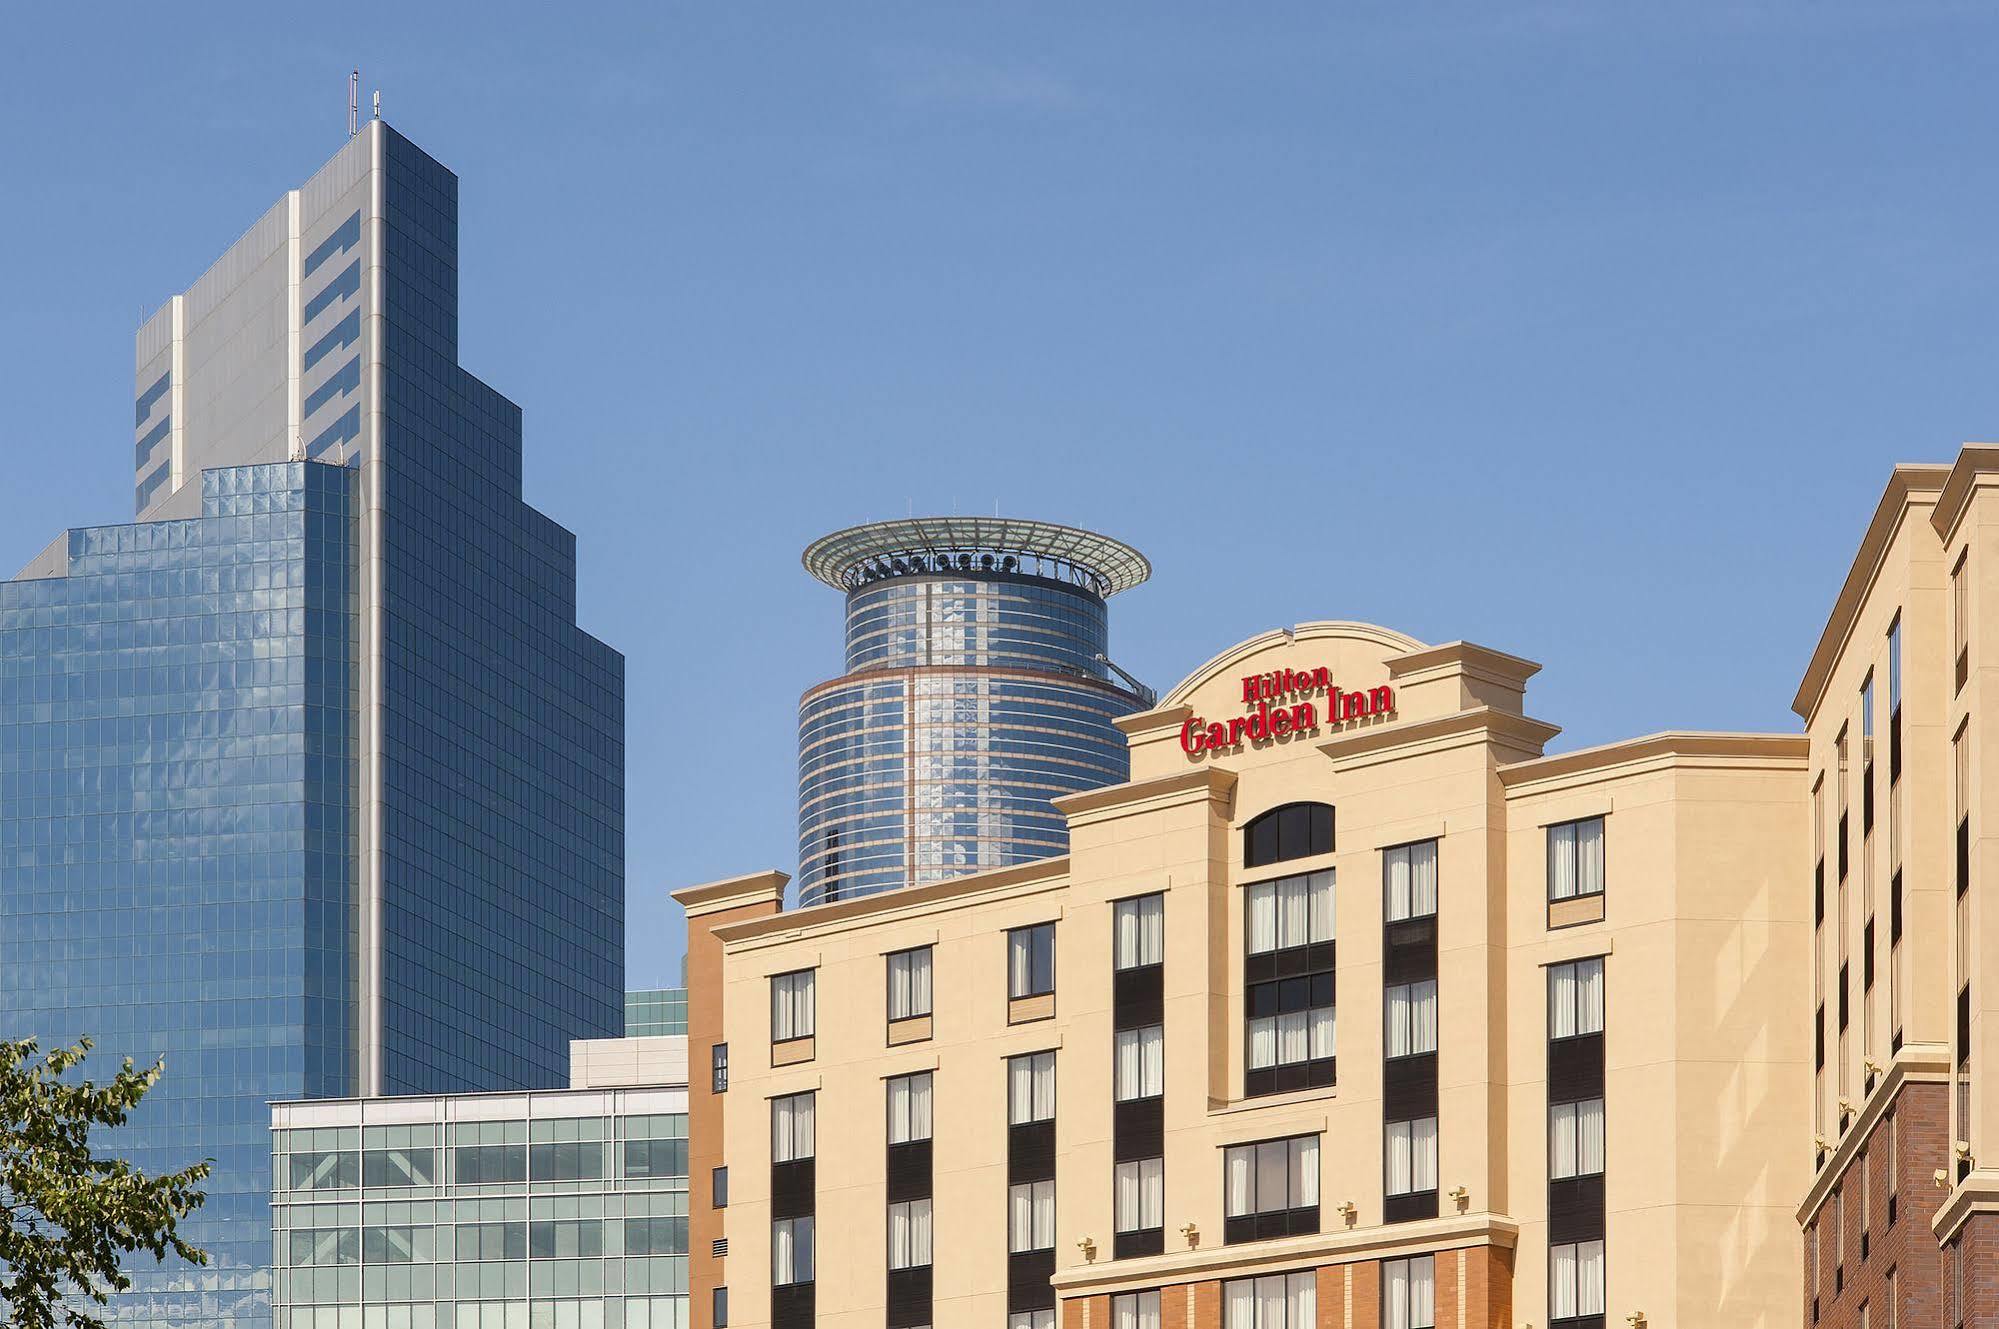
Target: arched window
[1295, 830]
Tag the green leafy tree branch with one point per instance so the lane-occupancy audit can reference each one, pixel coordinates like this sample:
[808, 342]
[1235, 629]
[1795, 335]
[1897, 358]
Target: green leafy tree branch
[68, 1215]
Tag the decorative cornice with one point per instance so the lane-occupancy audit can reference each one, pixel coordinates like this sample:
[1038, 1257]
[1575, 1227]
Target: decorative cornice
[1144, 724]
[1780, 751]
[1977, 464]
[1978, 1193]
[733, 892]
[1205, 781]
[819, 916]
[1478, 661]
[1519, 730]
[1382, 1241]
[1397, 642]
[1908, 484]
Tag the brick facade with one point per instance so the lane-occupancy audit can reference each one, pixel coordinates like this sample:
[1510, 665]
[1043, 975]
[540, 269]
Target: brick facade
[1904, 1246]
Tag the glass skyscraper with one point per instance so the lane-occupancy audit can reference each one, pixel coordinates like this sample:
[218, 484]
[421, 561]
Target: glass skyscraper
[978, 686]
[309, 781]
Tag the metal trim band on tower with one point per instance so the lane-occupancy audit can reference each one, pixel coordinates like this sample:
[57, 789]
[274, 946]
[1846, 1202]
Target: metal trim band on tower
[857, 555]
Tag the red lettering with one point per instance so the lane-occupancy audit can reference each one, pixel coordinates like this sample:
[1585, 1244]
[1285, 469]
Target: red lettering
[1304, 716]
[1191, 740]
[1353, 705]
[1280, 723]
[1249, 690]
[1381, 700]
[1218, 737]
[1235, 731]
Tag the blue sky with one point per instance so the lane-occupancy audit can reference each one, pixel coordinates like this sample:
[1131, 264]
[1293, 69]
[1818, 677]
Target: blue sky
[1584, 330]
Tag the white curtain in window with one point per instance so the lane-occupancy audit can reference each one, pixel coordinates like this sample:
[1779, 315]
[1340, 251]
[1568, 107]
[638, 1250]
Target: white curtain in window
[1031, 1320]
[1395, 1145]
[1411, 873]
[1562, 1001]
[1031, 1217]
[1135, 1310]
[1323, 1031]
[909, 984]
[1589, 1278]
[1273, 1168]
[1263, 1042]
[1423, 1154]
[1304, 1181]
[1140, 1200]
[909, 1235]
[1240, 1165]
[1562, 1282]
[1239, 1308]
[791, 1250]
[792, 1132]
[1395, 1294]
[1141, 931]
[1262, 918]
[1412, 1018]
[1020, 965]
[1301, 1301]
[1030, 1089]
[1589, 856]
[1589, 1138]
[1140, 1070]
[1561, 862]
[791, 1014]
[1409, 1289]
[1292, 912]
[1291, 1038]
[1319, 906]
[909, 1108]
[1589, 996]
[1562, 1140]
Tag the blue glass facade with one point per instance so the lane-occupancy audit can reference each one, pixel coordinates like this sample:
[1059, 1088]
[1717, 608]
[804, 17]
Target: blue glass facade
[969, 703]
[503, 932]
[319, 793]
[177, 835]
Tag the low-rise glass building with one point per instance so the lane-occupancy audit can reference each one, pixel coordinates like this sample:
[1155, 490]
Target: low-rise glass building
[559, 1209]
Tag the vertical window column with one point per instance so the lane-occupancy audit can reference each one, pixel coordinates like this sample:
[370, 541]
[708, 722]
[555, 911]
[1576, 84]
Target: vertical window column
[1138, 1144]
[1288, 975]
[1867, 1049]
[1409, 1038]
[1960, 753]
[1575, 1145]
[909, 1201]
[792, 1202]
[1030, 1175]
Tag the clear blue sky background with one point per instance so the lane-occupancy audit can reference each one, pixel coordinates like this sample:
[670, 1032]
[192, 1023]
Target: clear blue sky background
[1584, 330]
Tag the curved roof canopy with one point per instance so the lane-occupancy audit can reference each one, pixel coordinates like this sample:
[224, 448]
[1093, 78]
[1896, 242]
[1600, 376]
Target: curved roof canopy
[909, 546]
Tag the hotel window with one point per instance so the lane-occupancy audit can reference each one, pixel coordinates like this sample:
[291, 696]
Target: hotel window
[718, 1066]
[1410, 1162]
[1290, 912]
[1412, 1019]
[1575, 1006]
[1409, 1293]
[1867, 757]
[1140, 1069]
[1030, 1085]
[909, 1108]
[1044, 1319]
[791, 1251]
[1409, 881]
[1140, 1195]
[1272, 1189]
[1141, 931]
[1030, 1217]
[1290, 1039]
[1894, 703]
[1275, 1301]
[1297, 830]
[1135, 1310]
[1960, 608]
[1839, 749]
[719, 1305]
[718, 1187]
[1575, 1139]
[909, 984]
[791, 1128]
[1031, 961]
[909, 1234]
[1575, 1285]
[791, 1006]
[1575, 859]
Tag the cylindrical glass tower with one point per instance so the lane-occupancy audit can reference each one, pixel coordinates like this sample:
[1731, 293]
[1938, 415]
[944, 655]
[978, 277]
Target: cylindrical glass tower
[978, 686]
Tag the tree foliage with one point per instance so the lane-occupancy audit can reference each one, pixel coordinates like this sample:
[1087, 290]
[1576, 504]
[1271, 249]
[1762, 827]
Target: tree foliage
[68, 1215]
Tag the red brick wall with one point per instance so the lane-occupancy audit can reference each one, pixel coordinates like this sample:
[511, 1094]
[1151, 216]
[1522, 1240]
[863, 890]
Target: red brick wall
[1905, 1246]
[1486, 1292]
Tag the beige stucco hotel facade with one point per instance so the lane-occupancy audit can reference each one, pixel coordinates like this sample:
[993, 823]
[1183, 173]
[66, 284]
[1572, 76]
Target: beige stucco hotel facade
[1365, 1012]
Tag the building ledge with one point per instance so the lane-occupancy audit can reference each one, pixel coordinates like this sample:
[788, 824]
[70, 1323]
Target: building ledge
[1916, 1062]
[1210, 782]
[733, 893]
[1515, 731]
[797, 922]
[1978, 1193]
[1382, 1241]
[1977, 466]
[1783, 751]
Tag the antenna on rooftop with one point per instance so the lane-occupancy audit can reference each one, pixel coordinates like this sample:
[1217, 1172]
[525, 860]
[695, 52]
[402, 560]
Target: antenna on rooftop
[378, 103]
[354, 103]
